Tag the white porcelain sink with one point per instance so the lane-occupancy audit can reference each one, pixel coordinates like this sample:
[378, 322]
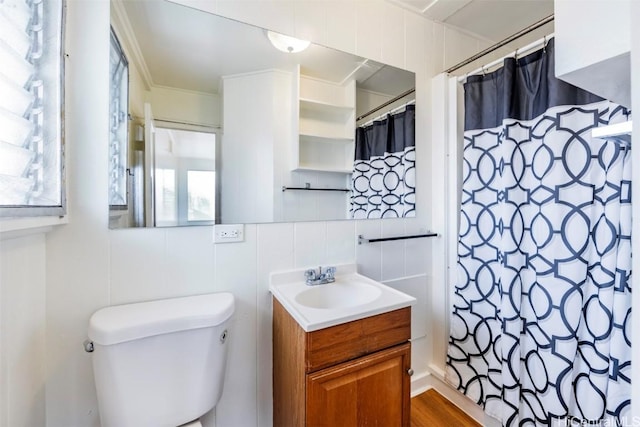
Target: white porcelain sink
[351, 297]
[340, 294]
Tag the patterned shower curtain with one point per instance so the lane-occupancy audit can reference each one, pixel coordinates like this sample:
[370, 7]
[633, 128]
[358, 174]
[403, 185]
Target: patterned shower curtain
[383, 179]
[540, 330]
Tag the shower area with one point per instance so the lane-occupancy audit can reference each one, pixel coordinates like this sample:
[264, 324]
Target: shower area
[537, 208]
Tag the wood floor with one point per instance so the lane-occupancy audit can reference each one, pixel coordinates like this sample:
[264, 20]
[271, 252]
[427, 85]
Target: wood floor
[430, 409]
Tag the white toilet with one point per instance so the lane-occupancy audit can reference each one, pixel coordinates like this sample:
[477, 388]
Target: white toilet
[160, 363]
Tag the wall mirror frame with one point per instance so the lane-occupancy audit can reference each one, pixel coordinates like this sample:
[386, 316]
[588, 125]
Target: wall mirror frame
[224, 128]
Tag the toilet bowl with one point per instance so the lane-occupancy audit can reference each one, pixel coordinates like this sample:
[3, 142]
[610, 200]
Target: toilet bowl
[160, 363]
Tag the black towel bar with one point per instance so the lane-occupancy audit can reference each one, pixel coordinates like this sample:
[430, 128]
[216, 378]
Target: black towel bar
[362, 240]
[314, 189]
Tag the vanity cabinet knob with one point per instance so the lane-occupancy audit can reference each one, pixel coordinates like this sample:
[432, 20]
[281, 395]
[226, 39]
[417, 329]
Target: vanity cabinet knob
[410, 372]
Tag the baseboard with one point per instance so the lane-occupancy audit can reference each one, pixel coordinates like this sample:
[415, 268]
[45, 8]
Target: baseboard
[420, 383]
[435, 379]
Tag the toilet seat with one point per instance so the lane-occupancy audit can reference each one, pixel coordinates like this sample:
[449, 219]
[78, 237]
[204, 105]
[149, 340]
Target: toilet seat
[195, 423]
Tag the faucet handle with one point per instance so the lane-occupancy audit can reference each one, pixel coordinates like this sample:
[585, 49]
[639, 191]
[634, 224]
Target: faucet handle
[330, 272]
[310, 274]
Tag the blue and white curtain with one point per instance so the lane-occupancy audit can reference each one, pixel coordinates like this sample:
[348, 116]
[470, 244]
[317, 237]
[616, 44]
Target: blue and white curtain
[540, 330]
[383, 179]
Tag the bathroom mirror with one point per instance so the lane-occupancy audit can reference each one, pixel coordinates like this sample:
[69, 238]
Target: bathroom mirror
[222, 127]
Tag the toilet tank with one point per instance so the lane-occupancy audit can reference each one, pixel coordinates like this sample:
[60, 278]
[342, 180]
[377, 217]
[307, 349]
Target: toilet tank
[160, 363]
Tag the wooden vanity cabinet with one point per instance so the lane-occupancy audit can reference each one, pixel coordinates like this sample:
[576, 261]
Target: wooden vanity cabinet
[350, 375]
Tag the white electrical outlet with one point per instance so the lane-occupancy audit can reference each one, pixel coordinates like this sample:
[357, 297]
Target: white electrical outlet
[228, 233]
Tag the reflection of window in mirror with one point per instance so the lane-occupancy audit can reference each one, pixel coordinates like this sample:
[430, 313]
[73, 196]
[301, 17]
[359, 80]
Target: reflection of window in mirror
[201, 195]
[185, 170]
[118, 124]
[166, 200]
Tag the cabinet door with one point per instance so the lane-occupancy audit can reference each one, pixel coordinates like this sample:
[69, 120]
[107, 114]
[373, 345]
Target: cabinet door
[370, 391]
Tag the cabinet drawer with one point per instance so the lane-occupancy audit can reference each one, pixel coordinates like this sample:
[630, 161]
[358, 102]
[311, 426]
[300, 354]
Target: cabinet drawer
[327, 347]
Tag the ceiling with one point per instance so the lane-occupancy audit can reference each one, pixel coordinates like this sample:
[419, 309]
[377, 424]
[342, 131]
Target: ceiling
[493, 20]
[180, 47]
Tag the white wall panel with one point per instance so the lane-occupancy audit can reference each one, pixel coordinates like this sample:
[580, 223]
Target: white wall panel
[370, 15]
[22, 331]
[77, 267]
[341, 24]
[311, 21]
[393, 254]
[393, 36]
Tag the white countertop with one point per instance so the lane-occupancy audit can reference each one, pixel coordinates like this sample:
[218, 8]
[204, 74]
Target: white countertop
[288, 286]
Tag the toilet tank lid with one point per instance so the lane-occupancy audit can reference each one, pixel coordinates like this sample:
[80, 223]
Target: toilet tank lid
[120, 323]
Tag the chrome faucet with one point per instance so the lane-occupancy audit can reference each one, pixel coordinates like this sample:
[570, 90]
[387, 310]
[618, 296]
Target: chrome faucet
[320, 277]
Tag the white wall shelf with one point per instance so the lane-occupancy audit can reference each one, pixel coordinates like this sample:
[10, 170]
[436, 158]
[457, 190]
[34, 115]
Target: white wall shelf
[326, 126]
[310, 137]
[321, 107]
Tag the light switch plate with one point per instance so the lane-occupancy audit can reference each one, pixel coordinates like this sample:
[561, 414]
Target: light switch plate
[228, 233]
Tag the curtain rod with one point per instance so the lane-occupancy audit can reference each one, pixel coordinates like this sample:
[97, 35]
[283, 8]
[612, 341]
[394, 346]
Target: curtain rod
[175, 122]
[498, 45]
[382, 116]
[520, 51]
[389, 102]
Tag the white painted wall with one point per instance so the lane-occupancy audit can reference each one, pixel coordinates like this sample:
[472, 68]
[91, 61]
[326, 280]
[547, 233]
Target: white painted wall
[22, 331]
[57, 281]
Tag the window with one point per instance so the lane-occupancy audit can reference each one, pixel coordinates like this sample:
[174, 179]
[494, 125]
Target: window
[118, 124]
[31, 96]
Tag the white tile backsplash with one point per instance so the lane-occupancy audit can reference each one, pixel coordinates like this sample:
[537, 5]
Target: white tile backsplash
[276, 250]
[341, 242]
[369, 255]
[138, 262]
[393, 255]
[186, 267]
[310, 244]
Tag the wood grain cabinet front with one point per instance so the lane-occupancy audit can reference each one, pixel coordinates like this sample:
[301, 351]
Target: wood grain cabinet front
[349, 375]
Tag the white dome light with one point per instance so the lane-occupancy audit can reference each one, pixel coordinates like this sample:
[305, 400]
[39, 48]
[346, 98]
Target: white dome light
[287, 44]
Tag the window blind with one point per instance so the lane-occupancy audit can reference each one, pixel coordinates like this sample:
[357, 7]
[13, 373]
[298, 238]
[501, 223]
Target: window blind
[31, 114]
[20, 136]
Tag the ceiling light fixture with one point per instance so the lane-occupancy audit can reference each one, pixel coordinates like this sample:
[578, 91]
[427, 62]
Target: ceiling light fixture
[287, 44]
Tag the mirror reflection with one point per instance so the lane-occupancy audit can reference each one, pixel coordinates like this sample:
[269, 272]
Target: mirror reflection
[217, 121]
